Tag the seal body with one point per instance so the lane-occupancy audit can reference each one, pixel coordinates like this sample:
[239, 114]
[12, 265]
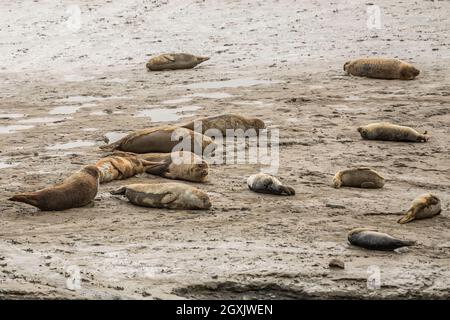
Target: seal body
[173, 61]
[264, 183]
[224, 122]
[182, 165]
[381, 68]
[122, 165]
[391, 132]
[358, 178]
[423, 207]
[373, 240]
[166, 195]
[162, 139]
[76, 191]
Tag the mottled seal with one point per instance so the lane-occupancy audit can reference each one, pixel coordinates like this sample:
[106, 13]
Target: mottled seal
[391, 132]
[162, 139]
[173, 61]
[264, 183]
[361, 177]
[76, 191]
[369, 238]
[424, 206]
[226, 121]
[183, 165]
[166, 195]
[381, 68]
[122, 165]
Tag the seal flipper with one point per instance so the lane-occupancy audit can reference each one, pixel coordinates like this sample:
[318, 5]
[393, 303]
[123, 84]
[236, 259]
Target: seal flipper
[168, 198]
[28, 198]
[287, 190]
[368, 185]
[169, 57]
[158, 169]
[409, 216]
[119, 191]
[112, 146]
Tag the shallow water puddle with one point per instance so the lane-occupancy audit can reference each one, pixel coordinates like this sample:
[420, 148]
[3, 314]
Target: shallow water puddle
[76, 78]
[65, 110]
[44, 120]
[161, 114]
[71, 145]
[176, 101]
[4, 165]
[114, 136]
[235, 83]
[213, 95]
[13, 128]
[11, 115]
[82, 99]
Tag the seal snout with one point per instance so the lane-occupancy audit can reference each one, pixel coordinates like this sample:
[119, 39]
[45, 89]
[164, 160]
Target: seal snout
[203, 59]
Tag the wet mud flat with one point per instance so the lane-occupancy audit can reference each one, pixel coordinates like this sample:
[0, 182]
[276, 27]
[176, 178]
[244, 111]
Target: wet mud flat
[61, 99]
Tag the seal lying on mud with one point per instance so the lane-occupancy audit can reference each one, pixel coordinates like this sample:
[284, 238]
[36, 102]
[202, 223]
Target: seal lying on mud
[162, 139]
[424, 206]
[122, 165]
[391, 132]
[381, 68]
[76, 191]
[372, 239]
[173, 61]
[183, 165]
[264, 183]
[165, 195]
[361, 177]
[226, 121]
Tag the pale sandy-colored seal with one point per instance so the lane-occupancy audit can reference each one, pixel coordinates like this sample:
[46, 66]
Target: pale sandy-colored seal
[226, 121]
[76, 191]
[162, 139]
[264, 183]
[424, 206]
[381, 68]
[122, 165]
[361, 177]
[173, 61]
[182, 165]
[391, 132]
[369, 238]
[166, 195]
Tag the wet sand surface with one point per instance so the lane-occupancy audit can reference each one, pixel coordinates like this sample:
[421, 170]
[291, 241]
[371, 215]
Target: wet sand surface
[63, 90]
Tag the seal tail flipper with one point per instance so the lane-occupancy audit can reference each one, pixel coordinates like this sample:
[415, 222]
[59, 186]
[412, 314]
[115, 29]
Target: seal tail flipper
[408, 243]
[287, 190]
[202, 59]
[28, 198]
[409, 216]
[112, 146]
[119, 191]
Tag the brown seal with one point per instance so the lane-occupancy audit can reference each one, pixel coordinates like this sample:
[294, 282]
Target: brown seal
[173, 61]
[182, 165]
[76, 191]
[361, 177]
[162, 139]
[381, 68]
[166, 195]
[424, 206]
[226, 121]
[122, 165]
[391, 132]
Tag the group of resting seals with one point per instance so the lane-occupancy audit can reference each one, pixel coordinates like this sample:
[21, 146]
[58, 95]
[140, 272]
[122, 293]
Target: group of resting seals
[152, 151]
